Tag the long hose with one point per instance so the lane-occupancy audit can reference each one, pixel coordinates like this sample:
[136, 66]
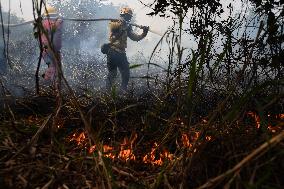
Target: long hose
[83, 20]
[16, 25]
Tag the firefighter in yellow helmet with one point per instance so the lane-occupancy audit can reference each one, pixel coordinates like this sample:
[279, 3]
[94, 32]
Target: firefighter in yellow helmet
[116, 55]
[49, 10]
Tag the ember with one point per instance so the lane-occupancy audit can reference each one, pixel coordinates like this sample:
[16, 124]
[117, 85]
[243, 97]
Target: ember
[154, 159]
[255, 117]
[189, 139]
[80, 138]
[126, 151]
[271, 128]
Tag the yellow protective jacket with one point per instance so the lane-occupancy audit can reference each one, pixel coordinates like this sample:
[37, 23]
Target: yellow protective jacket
[119, 31]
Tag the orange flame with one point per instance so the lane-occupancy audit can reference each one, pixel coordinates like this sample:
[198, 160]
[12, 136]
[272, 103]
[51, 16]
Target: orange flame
[156, 158]
[255, 117]
[108, 151]
[153, 160]
[185, 140]
[271, 128]
[80, 139]
[208, 138]
[281, 116]
[189, 139]
[126, 152]
[204, 121]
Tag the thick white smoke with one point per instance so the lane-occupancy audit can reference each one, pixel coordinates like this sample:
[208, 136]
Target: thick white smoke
[84, 65]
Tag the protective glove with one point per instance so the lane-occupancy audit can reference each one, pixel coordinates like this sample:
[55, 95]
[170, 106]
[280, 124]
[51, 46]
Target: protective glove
[145, 29]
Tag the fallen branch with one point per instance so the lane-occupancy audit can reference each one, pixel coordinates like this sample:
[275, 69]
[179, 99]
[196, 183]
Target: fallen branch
[34, 138]
[124, 173]
[13, 121]
[265, 146]
[46, 186]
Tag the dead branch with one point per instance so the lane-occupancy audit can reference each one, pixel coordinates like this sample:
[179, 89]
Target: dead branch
[34, 138]
[46, 186]
[261, 149]
[13, 121]
[121, 172]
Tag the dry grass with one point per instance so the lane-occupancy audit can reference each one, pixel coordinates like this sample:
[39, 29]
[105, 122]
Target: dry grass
[34, 156]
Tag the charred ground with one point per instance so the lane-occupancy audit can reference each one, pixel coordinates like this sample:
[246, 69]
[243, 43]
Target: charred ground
[62, 157]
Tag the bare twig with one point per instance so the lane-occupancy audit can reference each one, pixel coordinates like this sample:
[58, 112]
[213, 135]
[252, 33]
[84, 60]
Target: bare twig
[38, 66]
[3, 29]
[167, 183]
[246, 63]
[8, 35]
[46, 186]
[34, 138]
[124, 173]
[13, 121]
[264, 147]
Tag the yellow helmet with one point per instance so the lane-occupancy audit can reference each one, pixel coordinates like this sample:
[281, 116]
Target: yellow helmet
[48, 10]
[126, 10]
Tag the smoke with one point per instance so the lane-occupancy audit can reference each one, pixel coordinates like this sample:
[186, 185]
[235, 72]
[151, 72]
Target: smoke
[84, 65]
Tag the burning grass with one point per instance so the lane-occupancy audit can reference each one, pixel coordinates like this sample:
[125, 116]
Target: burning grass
[138, 147]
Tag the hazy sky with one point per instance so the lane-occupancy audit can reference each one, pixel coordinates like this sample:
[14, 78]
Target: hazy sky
[140, 10]
[155, 23]
[26, 11]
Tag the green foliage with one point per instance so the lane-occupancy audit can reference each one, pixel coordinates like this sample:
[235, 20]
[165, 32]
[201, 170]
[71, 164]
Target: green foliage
[133, 66]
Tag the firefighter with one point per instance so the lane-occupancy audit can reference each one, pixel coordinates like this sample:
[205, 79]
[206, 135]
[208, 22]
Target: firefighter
[51, 38]
[116, 55]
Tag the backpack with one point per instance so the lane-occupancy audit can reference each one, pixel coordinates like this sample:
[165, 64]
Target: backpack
[105, 48]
